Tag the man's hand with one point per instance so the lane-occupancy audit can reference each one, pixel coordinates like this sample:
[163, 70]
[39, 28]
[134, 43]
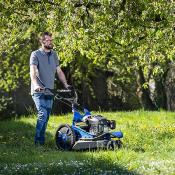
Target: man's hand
[39, 89]
[69, 87]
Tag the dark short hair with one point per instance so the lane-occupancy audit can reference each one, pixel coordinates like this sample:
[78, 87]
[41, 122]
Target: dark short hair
[42, 36]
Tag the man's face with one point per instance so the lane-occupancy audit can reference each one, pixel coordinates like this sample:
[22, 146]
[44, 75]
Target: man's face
[47, 42]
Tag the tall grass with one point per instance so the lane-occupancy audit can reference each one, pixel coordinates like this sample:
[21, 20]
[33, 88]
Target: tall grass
[149, 147]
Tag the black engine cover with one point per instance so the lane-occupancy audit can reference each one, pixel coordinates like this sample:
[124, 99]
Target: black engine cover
[98, 125]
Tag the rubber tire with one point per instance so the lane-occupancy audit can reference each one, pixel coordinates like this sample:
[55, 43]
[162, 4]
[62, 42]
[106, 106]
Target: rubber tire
[119, 144]
[114, 144]
[66, 129]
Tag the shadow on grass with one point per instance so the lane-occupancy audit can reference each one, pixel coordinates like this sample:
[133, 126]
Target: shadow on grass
[18, 155]
[19, 134]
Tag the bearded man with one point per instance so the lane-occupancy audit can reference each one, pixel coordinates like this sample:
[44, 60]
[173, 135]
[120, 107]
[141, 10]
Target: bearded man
[44, 64]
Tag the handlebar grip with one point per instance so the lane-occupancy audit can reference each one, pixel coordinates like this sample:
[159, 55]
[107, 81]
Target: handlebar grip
[64, 90]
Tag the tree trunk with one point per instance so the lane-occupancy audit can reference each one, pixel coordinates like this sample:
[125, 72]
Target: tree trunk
[144, 93]
[170, 89]
[160, 93]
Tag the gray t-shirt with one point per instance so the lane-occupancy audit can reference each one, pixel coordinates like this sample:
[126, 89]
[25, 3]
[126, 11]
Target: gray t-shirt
[46, 64]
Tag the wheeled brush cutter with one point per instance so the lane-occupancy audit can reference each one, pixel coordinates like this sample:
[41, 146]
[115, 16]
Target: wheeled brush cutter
[87, 131]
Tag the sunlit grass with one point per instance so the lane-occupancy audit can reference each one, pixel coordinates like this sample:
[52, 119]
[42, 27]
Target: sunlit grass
[149, 147]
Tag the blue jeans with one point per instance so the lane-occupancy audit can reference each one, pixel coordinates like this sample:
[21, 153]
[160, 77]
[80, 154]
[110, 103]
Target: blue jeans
[43, 105]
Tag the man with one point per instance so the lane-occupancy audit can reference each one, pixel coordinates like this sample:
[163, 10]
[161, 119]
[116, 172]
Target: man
[43, 66]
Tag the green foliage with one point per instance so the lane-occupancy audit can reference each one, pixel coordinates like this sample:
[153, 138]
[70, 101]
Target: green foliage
[5, 102]
[120, 36]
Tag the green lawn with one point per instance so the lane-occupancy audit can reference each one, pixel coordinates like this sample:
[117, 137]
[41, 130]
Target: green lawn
[149, 147]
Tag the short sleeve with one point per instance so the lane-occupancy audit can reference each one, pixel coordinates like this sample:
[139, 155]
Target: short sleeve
[33, 59]
[56, 60]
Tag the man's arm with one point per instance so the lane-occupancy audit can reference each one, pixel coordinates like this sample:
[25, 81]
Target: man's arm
[62, 77]
[33, 76]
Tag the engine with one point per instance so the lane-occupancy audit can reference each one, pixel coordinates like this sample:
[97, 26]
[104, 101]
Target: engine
[98, 124]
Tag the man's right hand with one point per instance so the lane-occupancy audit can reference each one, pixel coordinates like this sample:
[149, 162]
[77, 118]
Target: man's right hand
[39, 89]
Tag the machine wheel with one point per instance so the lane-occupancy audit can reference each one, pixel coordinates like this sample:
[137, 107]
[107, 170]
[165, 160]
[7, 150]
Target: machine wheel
[114, 144]
[119, 143]
[65, 137]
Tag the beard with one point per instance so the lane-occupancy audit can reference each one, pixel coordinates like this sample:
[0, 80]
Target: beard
[48, 46]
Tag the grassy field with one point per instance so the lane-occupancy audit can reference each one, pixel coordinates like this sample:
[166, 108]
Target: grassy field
[149, 147]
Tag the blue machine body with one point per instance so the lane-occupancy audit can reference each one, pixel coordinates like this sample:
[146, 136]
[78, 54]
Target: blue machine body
[77, 118]
[80, 133]
[87, 131]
